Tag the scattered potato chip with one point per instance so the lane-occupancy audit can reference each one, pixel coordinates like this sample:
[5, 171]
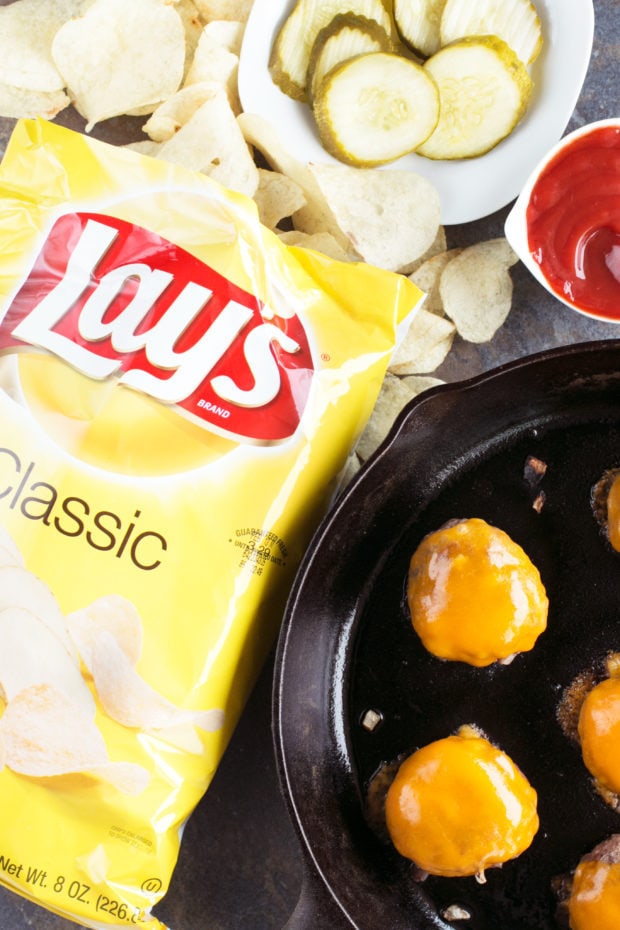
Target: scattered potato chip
[130, 700]
[425, 346]
[145, 147]
[27, 29]
[213, 62]
[350, 470]
[394, 395]
[120, 56]
[420, 383]
[192, 26]
[116, 615]
[237, 10]
[315, 216]
[319, 242]
[21, 588]
[176, 111]
[389, 217]
[227, 33]
[427, 278]
[211, 142]
[476, 289]
[22, 666]
[439, 244]
[18, 103]
[277, 197]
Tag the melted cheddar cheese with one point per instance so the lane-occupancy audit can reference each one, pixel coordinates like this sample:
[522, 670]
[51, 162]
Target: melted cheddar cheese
[613, 513]
[459, 806]
[594, 903]
[474, 595]
[599, 734]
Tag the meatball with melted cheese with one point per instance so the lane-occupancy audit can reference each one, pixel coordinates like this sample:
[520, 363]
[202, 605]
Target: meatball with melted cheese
[599, 735]
[474, 595]
[594, 899]
[459, 806]
[605, 498]
[613, 513]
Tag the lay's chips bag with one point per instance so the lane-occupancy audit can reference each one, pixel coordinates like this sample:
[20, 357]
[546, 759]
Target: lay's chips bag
[178, 394]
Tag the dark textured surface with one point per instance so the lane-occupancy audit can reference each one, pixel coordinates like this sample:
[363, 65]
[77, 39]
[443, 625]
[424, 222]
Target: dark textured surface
[240, 866]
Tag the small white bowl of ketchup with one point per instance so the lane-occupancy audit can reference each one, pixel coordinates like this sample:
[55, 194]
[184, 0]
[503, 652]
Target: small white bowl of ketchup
[565, 224]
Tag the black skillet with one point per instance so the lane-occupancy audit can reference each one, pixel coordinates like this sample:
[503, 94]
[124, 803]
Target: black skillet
[347, 645]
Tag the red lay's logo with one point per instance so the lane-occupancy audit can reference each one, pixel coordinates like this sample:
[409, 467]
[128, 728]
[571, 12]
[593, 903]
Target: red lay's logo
[116, 300]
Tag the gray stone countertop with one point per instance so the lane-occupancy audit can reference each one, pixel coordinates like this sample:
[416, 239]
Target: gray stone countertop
[240, 865]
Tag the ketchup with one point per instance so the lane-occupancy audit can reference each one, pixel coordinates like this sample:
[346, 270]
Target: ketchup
[573, 222]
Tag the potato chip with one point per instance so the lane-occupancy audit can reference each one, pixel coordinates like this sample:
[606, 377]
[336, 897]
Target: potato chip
[130, 700]
[45, 734]
[18, 102]
[427, 279]
[350, 470]
[237, 10]
[277, 197]
[212, 62]
[226, 32]
[192, 25]
[211, 142]
[144, 147]
[113, 613]
[120, 56]
[27, 29]
[21, 666]
[315, 216]
[319, 242]
[20, 588]
[389, 217]
[439, 244]
[394, 395]
[476, 289]
[176, 111]
[420, 383]
[425, 346]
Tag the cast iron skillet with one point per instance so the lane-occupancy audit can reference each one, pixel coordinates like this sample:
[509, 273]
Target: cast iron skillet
[347, 644]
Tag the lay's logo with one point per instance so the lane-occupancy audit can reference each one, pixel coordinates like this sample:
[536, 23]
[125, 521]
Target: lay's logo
[115, 300]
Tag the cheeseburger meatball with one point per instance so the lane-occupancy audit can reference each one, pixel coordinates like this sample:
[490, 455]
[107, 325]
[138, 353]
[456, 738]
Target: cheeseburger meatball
[599, 735]
[594, 898]
[459, 806]
[606, 505]
[474, 595]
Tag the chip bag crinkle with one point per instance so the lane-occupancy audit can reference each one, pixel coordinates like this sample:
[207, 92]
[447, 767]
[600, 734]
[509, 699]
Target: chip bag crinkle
[179, 391]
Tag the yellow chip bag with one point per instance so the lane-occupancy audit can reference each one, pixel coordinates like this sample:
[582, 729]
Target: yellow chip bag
[179, 391]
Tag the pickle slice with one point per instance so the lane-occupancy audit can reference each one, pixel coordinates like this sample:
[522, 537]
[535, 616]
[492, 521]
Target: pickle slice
[375, 108]
[514, 21]
[346, 36]
[418, 22]
[290, 54]
[484, 89]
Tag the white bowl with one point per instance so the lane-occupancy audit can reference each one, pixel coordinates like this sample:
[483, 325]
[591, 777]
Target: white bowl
[468, 188]
[516, 225]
